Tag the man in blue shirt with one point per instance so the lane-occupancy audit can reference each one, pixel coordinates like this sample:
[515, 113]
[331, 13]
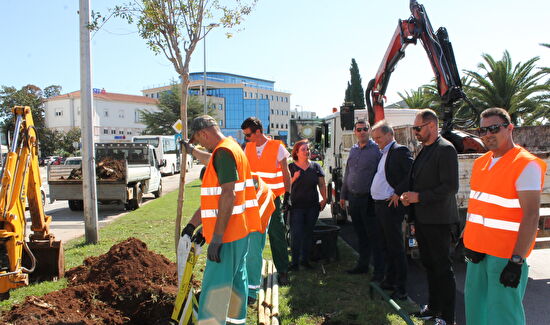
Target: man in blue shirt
[360, 169]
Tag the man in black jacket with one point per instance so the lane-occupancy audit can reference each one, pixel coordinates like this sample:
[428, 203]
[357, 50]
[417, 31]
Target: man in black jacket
[433, 186]
[389, 182]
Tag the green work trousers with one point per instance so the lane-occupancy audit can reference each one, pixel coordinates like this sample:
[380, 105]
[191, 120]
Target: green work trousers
[254, 262]
[225, 286]
[487, 301]
[277, 238]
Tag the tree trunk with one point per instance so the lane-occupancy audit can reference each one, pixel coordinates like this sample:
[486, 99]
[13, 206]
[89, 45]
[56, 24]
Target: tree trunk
[183, 117]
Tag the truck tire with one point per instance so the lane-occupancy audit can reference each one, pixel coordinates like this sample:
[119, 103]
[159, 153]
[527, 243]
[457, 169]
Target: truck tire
[158, 193]
[76, 205]
[136, 201]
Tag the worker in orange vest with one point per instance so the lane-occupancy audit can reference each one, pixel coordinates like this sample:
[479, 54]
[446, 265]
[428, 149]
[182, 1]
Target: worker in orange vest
[268, 159]
[229, 212]
[501, 225]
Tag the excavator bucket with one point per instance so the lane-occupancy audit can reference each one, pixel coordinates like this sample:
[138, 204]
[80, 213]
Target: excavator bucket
[50, 260]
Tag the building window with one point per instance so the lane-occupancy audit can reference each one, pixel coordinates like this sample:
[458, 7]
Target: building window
[286, 126]
[271, 112]
[113, 131]
[120, 132]
[137, 116]
[59, 113]
[105, 131]
[221, 122]
[128, 132]
[277, 98]
[272, 125]
[121, 113]
[250, 95]
[220, 106]
[271, 97]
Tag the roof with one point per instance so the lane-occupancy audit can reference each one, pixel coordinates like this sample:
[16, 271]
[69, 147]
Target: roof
[109, 97]
[232, 75]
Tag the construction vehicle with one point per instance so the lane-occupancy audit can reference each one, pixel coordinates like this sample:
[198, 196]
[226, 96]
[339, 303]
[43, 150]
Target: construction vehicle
[125, 171]
[21, 183]
[441, 56]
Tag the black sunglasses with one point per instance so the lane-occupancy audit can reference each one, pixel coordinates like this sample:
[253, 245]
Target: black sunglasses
[419, 127]
[247, 135]
[494, 129]
[366, 129]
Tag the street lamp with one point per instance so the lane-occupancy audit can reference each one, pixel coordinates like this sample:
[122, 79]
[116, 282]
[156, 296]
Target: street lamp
[209, 27]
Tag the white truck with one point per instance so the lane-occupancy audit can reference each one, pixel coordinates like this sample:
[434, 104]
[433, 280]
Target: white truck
[124, 173]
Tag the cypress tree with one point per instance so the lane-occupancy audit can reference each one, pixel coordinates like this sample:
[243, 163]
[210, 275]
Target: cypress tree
[357, 93]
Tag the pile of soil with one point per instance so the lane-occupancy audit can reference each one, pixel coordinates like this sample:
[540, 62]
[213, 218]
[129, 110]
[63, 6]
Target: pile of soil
[107, 169]
[127, 285]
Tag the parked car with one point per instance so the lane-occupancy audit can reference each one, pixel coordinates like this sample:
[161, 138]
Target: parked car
[51, 160]
[77, 161]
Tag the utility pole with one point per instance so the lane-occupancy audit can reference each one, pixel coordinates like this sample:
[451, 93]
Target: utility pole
[87, 124]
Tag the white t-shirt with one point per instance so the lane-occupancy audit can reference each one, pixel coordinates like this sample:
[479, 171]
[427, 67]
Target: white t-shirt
[282, 154]
[529, 180]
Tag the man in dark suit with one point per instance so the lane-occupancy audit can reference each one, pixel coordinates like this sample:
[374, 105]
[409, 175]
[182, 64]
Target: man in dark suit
[433, 186]
[389, 182]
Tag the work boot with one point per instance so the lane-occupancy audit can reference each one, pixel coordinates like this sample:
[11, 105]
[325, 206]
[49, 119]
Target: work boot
[426, 313]
[283, 279]
[251, 301]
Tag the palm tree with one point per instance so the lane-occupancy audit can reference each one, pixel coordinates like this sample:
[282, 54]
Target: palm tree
[420, 98]
[516, 88]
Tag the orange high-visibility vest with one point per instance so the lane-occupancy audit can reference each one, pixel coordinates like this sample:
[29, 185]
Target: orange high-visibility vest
[266, 166]
[265, 199]
[494, 213]
[245, 205]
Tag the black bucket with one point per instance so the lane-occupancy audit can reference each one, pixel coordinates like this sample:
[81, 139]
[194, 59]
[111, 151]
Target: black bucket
[325, 238]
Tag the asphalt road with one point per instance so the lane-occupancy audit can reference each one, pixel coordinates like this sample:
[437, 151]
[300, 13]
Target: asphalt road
[67, 224]
[537, 294]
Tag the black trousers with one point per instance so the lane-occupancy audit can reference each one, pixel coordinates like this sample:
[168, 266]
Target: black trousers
[368, 231]
[434, 243]
[391, 221]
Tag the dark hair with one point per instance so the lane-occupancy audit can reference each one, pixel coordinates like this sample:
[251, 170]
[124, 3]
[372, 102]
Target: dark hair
[296, 147]
[428, 115]
[384, 126]
[361, 122]
[252, 123]
[497, 111]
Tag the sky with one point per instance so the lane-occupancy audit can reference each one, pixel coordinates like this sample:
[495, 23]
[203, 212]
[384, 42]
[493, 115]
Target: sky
[305, 46]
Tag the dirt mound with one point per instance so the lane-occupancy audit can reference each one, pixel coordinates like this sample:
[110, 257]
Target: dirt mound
[110, 168]
[127, 285]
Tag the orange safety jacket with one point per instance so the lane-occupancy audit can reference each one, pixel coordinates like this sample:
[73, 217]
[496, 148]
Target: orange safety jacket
[266, 166]
[245, 206]
[494, 212]
[265, 199]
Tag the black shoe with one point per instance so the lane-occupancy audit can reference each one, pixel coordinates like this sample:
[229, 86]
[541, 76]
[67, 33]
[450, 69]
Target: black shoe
[358, 270]
[251, 301]
[307, 265]
[293, 267]
[399, 295]
[425, 313]
[283, 279]
[386, 286]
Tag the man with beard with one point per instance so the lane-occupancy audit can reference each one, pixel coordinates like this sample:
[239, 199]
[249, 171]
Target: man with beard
[433, 186]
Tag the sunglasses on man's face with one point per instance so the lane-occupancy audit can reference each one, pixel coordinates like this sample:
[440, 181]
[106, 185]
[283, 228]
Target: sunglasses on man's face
[247, 135]
[494, 129]
[366, 129]
[419, 127]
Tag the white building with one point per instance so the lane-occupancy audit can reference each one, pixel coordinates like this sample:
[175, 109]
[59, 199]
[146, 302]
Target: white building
[116, 116]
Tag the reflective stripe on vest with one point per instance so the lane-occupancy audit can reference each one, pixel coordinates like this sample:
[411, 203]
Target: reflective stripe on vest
[494, 213]
[266, 166]
[245, 205]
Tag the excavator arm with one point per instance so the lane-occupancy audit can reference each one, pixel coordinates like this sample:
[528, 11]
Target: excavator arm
[20, 182]
[441, 56]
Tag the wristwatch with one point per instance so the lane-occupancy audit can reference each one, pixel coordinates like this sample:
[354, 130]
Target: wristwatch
[516, 259]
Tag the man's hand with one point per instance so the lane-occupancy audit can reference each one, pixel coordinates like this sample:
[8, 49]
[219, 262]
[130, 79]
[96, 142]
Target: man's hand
[198, 238]
[473, 256]
[342, 203]
[408, 198]
[393, 200]
[214, 248]
[286, 202]
[511, 274]
[188, 230]
[188, 147]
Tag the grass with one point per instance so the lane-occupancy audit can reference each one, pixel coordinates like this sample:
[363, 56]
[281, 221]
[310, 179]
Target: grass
[314, 297]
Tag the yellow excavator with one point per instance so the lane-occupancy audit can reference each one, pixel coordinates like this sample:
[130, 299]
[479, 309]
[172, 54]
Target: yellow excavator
[40, 256]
